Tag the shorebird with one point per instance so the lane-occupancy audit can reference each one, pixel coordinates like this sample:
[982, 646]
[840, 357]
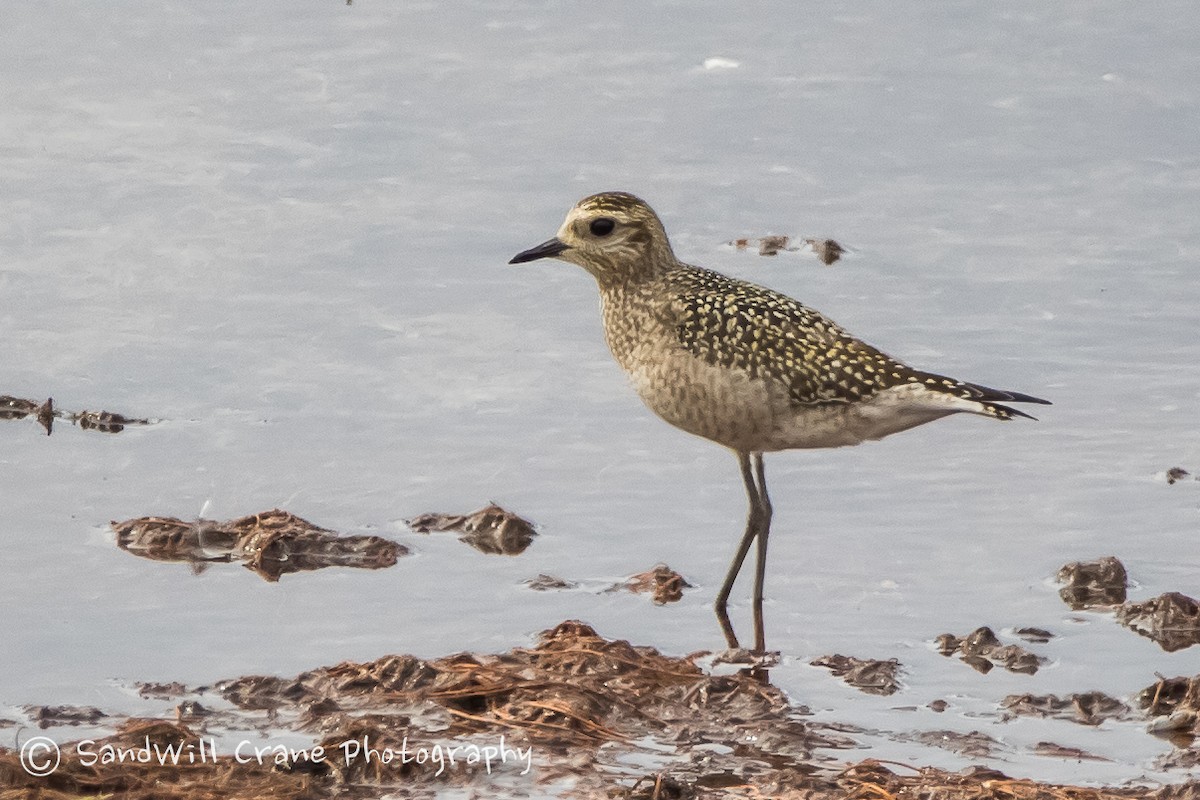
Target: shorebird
[742, 365]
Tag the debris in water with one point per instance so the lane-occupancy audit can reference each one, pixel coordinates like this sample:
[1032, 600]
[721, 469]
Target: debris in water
[827, 250]
[165, 691]
[105, 421]
[16, 408]
[190, 709]
[489, 530]
[547, 583]
[767, 245]
[271, 544]
[1059, 751]
[1089, 584]
[1086, 708]
[663, 583]
[45, 414]
[1168, 695]
[1188, 759]
[50, 716]
[1172, 620]
[1034, 635]
[771, 245]
[981, 650]
[971, 745]
[1175, 474]
[1174, 707]
[870, 675]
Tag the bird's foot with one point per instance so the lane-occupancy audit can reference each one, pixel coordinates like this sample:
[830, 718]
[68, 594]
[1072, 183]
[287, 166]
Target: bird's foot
[741, 657]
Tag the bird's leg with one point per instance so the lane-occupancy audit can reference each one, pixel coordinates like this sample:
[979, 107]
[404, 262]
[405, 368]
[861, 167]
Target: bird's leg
[753, 526]
[760, 567]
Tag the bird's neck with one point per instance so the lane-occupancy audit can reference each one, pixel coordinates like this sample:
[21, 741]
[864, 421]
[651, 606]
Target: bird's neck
[630, 302]
[619, 275]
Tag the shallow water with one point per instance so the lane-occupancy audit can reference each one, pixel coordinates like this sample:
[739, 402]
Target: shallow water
[284, 234]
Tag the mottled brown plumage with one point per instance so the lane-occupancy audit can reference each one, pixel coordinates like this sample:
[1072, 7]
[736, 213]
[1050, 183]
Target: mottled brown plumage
[740, 364]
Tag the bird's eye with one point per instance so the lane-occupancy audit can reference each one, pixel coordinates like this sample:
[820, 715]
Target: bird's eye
[602, 226]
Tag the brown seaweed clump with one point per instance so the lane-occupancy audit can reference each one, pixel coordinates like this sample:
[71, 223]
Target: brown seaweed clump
[873, 676]
[827, 250]
[490, 530]
[46, 413]
[1171, 619]
[663, 584]
[767, 245]
[981, 650]
[1089, 584]
[85, 772]
[1174, 705]
[549, 583]
[573, 688]
[581, 708]
[1176, 474]
[270, 544]
[1086, 708]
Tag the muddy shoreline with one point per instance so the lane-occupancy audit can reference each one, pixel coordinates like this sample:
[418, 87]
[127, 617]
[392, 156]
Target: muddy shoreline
[576, 715]
[579, 714]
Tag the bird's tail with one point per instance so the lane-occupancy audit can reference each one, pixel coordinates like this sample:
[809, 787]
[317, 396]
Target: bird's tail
[1003, 412]
[990, 400]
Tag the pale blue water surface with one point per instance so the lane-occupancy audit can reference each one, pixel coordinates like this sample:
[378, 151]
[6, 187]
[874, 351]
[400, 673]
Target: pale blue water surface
[282, 230]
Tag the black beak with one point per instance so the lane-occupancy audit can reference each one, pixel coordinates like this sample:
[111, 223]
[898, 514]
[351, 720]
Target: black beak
[547, 249]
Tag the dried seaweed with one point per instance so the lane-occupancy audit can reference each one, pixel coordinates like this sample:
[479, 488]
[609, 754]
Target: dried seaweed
[45, 414]
[870, 675]
[981, 650]
[1086, 708]
[271, 544]
[490, 530]
[582, 700]
[827, 251]
[662, 583]
[1171, 619]
[1089, 584]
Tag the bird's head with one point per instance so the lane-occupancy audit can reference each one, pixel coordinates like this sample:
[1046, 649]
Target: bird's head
[613, 235]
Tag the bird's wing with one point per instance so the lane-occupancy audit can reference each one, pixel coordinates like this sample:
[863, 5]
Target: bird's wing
[740, 325]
